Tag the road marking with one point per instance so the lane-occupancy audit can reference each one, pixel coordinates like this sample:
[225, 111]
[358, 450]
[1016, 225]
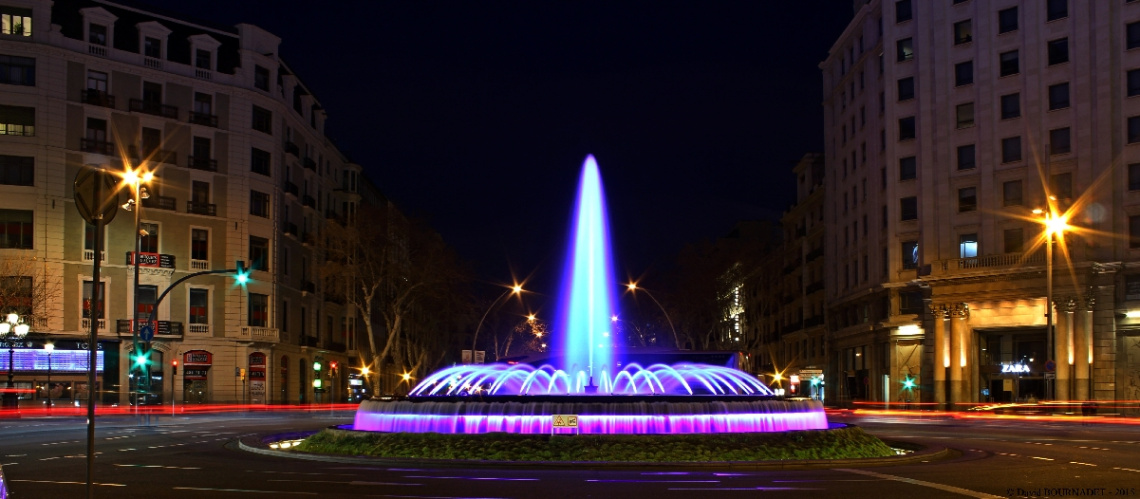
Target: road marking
[350, 482]
[157, 466]
[250, 491]
[71, 483]
[1042, 458]
[1083, 464]
[939, 486]
[1125, 469]
[718, 489]
[475, 478]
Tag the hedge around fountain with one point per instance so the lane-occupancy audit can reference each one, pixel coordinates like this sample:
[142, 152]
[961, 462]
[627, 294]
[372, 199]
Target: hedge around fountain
[841, 443]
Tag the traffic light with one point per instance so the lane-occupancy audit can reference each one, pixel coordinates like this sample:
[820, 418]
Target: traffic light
[242, 274]
[317, 366]
[333, 368]
[174, 367]
[142, 360]
[908, 383]
[317, 383]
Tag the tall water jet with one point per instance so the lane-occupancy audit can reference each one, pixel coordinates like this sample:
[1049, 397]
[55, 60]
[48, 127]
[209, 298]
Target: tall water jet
[587, 298]
[587, 377]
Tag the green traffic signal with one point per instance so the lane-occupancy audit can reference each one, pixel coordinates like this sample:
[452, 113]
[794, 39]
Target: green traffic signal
[242, 274]
[142, 360]
[317, 366]
[909, 383]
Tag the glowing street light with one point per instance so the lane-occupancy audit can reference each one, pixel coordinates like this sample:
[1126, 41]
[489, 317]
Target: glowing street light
[135, 178]
[12, 328]
[632, 287]
[1055, 224]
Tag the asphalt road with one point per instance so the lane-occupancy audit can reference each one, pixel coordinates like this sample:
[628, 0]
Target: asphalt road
[197, 456]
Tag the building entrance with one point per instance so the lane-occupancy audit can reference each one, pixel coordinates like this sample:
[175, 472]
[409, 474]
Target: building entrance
[1012, 365]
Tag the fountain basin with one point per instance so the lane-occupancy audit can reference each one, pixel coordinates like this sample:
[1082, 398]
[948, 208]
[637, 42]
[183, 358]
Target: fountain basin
[639, 414]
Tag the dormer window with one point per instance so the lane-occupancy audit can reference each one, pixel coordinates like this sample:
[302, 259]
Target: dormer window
[15, 21]
[202, 59]
[97, 34]
[204, 48]
[99, 30]
[152, 47]
[153, 42]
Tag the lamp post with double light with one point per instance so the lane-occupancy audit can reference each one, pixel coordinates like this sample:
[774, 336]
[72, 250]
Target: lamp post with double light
[12, 329]
[1055, 224]
[516, 289]
[135, 178]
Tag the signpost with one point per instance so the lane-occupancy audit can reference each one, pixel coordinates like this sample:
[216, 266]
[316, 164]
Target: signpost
[146, 332]
[564, 421]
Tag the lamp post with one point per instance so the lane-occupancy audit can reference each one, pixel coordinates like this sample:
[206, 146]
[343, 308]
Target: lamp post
[516, 289]
[135, 179]
[633, 288]
[49, 347]
[12, 328]
[1054, 224]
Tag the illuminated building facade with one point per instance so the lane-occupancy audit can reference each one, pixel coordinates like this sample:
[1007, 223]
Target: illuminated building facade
[243, 172]
[947, 123]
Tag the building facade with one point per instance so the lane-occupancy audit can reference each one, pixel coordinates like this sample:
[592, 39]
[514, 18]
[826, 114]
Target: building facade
[947, 124]
[243, 171]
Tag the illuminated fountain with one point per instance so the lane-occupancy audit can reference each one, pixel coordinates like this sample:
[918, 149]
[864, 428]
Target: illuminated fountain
[587, 377]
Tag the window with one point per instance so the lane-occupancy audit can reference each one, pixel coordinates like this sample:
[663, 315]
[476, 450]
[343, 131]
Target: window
[965, 115]
[259, 161]
[908, 208]
[258, 253]
[259, 204]
[152, 47]
[148, 295]
[1058, 51]
[1133, 129]
[1134, 177]
[16, 229]
[97, 34]
[1014, 240]
[1056, 9]
[262, 120]
[283, 264]
[967, 199]
[1134, 232]
[904, 49]
[910, 254]
[15, 70]
[1059, 141]
[1010, 106]
[964, 73]
[199, 244]
[1011, 193]
[93, 308]
[1007, 20]
[906, 88]
[1011, 149]
[963, 32]
[17, 120]
[16, 294]
[261, 78]
[1061, 186]
[151, 142]
[1134, 82]
[89, 238]
[17, 170]
[1009, 63]
[906, 128]
[903, 11]
[202, 59]
[148, 242]
[968, 246]
[15, 21]
[1058, 96]
[199, 306]
[908, 168]
[966, 157]
[258, 310]
[297, 103]
[1133, 35]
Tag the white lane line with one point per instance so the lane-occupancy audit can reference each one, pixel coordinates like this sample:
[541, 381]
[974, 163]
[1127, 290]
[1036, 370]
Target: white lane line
[753, 489]
[923, 483]
[1125, 469]
[1083, 464]
[248, 491]
[71, 483]
[1042, 458]
[349, 482]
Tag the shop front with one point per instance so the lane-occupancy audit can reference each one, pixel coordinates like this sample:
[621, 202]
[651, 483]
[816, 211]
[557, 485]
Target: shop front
[196, 376]
[1012, 366]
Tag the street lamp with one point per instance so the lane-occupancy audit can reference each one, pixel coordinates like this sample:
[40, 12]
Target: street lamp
[12, 328]
[516, 289]
[49, 347]
[632, 287]
[1054, 224]
[135, 179]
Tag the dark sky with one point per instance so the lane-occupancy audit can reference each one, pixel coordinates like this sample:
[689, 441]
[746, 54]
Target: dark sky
[477, 115]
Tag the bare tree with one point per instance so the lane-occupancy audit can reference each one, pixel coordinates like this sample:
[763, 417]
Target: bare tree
[28, 289]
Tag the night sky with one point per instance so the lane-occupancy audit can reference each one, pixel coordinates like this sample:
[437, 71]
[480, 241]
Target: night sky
[477, 115]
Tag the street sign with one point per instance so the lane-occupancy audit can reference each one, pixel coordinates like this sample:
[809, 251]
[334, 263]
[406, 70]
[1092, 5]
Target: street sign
[1050, 375]
[565, 420]
[146, 333]
[96, 194]
[1050, 365]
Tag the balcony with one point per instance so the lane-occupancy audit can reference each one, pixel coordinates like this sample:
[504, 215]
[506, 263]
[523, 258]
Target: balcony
[160, 202]
[989, 264]
[210, 209]
[89, 256]
[85, 324]
[813, 321]
[96, 146]
[292, 148]
[308, 200]
[155, 108]
[202, 163]
[814, 254]
[160, 156]
[308, 239]
[814, 287]
[334, 217]
[309, 341]
[309, 163]
[199, 328]
[204, 119]
[199, 264]
[256, 333]
[308, 287]
[289, 228]
[97, 98]
[290, 188]
[166, 329]
[337, 347]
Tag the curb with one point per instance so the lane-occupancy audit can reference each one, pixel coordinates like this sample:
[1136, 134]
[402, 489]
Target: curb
[257, 445]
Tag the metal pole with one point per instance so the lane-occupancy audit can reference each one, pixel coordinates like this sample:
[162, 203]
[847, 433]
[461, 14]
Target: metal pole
[135, 300]
[49, 380]
[1049, 305]
[475, 337]
[92, 342]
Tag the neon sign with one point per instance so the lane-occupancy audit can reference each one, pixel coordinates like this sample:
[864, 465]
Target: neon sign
[1014, 368]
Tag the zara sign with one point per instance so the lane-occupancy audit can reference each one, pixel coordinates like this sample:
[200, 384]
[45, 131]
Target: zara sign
[1014, 368]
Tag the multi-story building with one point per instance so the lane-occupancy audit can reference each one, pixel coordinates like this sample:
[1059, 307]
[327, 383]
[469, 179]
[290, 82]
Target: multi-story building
[947, 124]
[242, 170]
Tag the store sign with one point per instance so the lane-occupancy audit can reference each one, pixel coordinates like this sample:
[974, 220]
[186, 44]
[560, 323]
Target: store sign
[257, 378]
[152, 260]
[1014, 368]
[197, 357]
